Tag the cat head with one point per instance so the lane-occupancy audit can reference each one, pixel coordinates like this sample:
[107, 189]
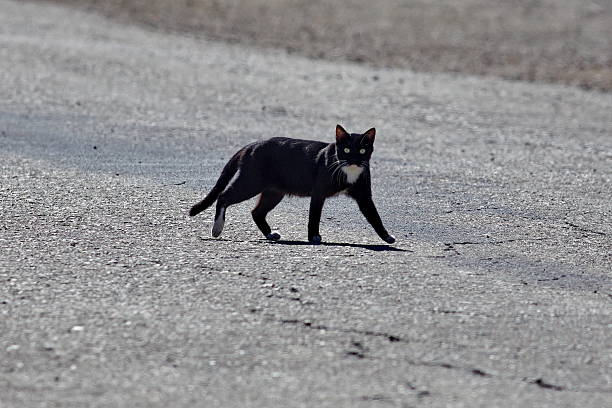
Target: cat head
[355, 148]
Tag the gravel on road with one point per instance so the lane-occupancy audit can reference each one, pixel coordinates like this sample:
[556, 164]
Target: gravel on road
[496, 294]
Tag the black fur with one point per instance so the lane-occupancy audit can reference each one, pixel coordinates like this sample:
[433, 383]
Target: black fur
[282, 166]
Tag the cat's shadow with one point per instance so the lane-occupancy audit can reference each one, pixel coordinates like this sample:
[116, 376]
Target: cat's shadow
[369, 247]
[378, 248]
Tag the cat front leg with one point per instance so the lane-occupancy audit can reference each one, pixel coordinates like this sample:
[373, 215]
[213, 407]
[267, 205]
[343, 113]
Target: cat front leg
[314, 219]
[367, 207]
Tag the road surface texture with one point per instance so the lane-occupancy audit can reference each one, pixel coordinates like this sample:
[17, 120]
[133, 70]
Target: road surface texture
[497, 293]
[562, 41]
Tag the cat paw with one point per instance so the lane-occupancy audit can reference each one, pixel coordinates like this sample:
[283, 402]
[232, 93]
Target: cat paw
[273, 236]
[217, 228]
[315, 240]
[389, 239]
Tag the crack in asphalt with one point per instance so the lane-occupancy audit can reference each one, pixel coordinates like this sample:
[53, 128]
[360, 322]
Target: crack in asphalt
[579, 228]
[472, 209]
[543, 384]
[361, 351]
[308, 324]
[450, 246]
[377, 398]
[294, 299]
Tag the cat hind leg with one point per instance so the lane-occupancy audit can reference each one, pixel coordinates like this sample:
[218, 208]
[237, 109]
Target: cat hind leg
[267, 201]
[239, 191]
[217, 228]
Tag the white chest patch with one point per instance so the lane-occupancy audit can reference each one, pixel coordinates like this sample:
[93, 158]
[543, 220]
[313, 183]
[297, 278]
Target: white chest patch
[352, 173]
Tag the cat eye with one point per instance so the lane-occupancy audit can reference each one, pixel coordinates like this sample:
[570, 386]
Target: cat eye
[362, 151]
[347, 150]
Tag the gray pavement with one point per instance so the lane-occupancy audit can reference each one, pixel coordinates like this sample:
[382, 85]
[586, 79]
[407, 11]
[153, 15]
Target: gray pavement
[497, 294]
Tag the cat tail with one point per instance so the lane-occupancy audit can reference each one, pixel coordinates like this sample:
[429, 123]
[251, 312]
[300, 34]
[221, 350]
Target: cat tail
[228, 172]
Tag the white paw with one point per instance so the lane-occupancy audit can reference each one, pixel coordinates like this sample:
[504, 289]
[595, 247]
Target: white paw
[217, 228]
[389, 239]
[273, 236]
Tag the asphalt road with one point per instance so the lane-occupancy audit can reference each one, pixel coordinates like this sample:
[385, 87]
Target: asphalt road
[498, 292]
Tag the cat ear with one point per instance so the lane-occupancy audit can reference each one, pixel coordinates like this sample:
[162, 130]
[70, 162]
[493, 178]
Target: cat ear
[370, 135]
[341, 134]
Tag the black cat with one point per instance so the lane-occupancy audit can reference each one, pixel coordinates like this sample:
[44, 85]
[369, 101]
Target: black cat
[281, 166]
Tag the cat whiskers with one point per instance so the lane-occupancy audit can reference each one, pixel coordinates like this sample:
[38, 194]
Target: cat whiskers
[335, 169]
[337, 174]
[337, 164]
